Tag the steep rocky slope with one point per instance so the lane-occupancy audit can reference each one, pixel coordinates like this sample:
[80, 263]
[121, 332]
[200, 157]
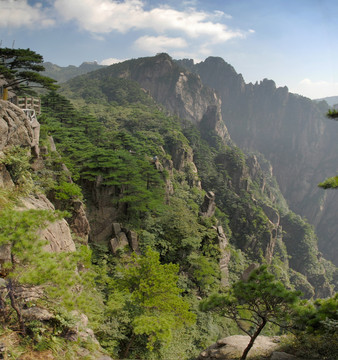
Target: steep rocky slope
[27, 243]
[292, 133]
[243, 186]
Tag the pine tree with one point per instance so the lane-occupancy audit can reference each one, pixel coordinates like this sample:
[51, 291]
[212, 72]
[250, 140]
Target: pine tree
[254, 303]
[154, 300]
[21, 67]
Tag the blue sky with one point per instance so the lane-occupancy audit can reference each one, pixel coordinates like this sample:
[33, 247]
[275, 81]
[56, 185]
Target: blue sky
[292, 42]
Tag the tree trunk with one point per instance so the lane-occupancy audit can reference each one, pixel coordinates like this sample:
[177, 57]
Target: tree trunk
[126, 351]
[15, 306]
[253, 338]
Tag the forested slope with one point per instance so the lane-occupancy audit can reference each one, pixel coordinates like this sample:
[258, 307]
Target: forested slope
[175, 211]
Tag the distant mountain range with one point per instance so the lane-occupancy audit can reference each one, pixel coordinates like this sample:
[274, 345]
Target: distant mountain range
[63, 74]
[331, 100]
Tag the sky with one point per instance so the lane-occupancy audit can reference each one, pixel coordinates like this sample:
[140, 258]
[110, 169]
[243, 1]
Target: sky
[293, 42]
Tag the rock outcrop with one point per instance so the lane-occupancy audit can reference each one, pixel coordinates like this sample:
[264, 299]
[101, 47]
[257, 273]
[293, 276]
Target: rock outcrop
[232, 347]
[15, 128]
[123, 238]
[56, 234]
[292, 133]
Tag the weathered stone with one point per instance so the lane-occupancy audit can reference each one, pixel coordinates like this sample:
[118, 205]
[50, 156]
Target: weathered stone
[15, 128]
[232, 347]
[80, 331]
[119, 242]
[79, 223]
[5, 253]
[116, 229]
[5, 177]
[37, 313]
[57, 234]
[246, 274]
[31, 293]
[133, 240]
[208, 207]
[225, 256]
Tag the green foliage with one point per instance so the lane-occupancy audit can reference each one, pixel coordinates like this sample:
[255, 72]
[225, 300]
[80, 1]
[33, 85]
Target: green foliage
[152, 299]
[301, 244]
[55, 272]
[16, 160]
[21, 67]
[205, 272]
[254, 303]
[316, 329]
[319, 317]
[330, 183]
[121, 158]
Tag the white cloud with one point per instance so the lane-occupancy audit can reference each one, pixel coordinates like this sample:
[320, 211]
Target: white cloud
[110, 61]
[316, 89]
[157, 44]
[104, 16]
[18, 13]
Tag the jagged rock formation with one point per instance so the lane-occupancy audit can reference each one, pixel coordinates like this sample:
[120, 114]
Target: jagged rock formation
[225, 256]
[15, 128]
[248, 178]
[293, 135]
[123, 238]
[180, 91]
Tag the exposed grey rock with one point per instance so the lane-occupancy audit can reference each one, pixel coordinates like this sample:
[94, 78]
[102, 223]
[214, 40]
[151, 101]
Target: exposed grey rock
[133, 241]
[79, 223]
[81, 331]
[37, 313]
[248, 271]
[119, 242]
[225, 256]
[5, 253]
[232, 347]
[5, 177]
[57, 234]
[29, 293]
[208, 207]
[15, 128]
[116, 229]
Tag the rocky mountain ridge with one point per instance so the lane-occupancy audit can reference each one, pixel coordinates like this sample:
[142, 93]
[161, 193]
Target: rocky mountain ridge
[182, 93]
[291, 132]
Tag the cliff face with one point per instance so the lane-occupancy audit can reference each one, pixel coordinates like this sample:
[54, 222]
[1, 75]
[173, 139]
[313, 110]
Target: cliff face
[16, 130]
[292, 133]
[180, 91]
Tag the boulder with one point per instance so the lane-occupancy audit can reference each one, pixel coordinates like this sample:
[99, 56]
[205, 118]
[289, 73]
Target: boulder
[119, 242]
[232, 347]
[37, 313]
[57, 234]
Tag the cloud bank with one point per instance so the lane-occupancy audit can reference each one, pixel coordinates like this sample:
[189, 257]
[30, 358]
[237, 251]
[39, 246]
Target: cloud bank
[105, 16]
[18, 13]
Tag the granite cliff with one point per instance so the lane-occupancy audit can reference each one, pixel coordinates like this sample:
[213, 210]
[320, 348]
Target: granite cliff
[292, 133]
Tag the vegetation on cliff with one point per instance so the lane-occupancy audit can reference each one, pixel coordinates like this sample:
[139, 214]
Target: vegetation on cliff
[123, 150]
